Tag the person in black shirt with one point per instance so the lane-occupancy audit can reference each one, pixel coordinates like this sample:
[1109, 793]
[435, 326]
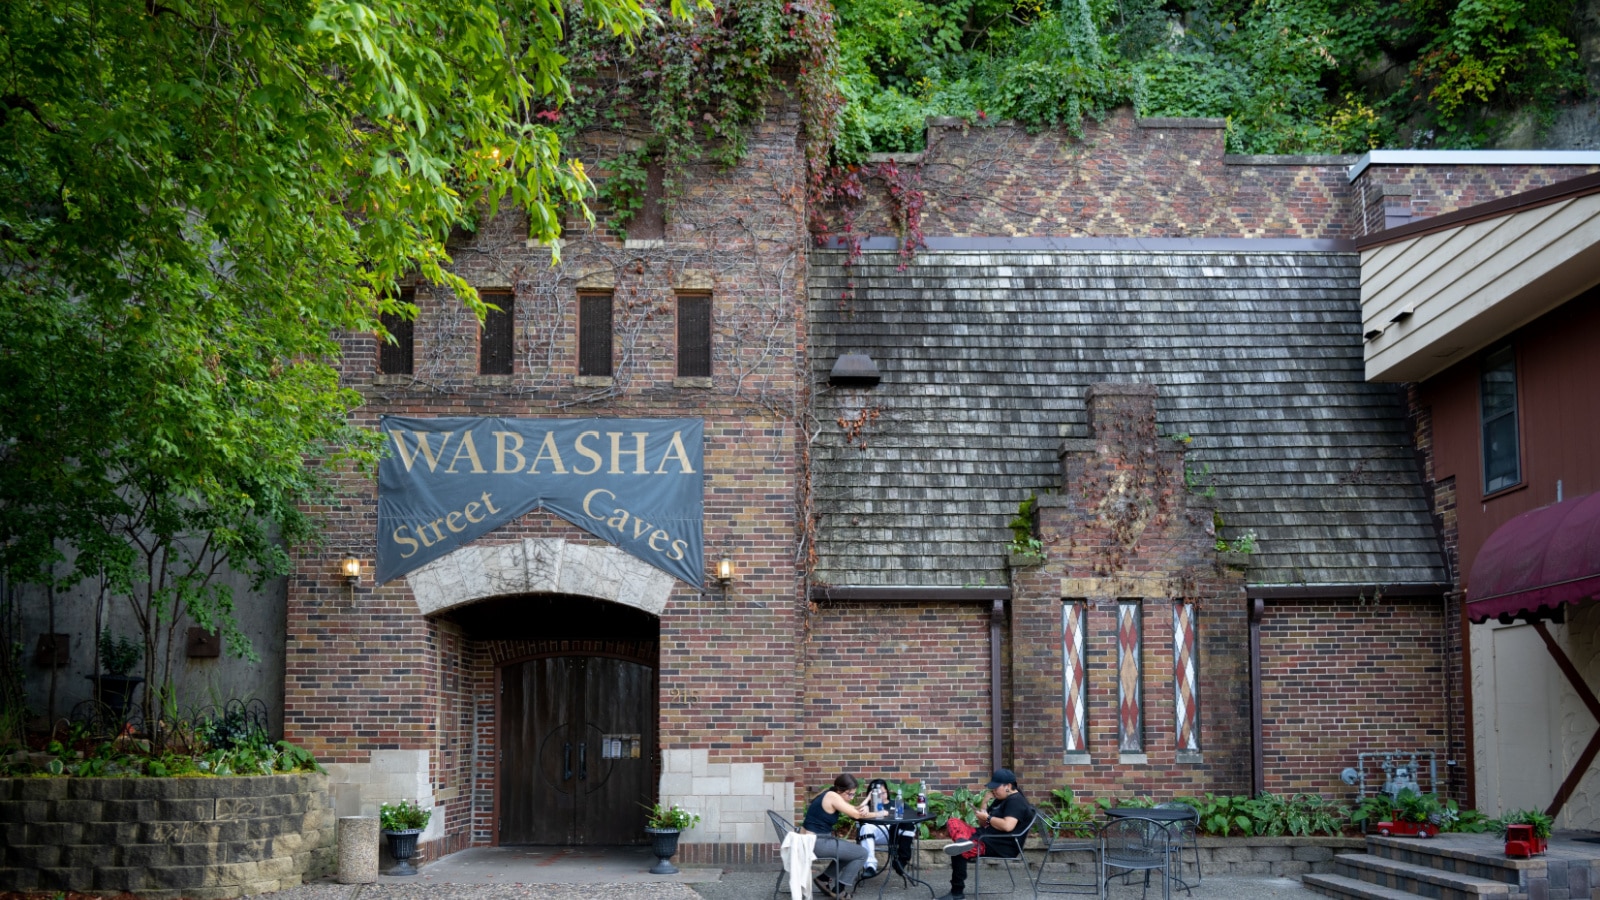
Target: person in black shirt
[822, 815]
[1009, 812]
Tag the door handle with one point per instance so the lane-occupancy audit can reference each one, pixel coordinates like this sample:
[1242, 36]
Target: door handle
[566, 761]
[583, 761]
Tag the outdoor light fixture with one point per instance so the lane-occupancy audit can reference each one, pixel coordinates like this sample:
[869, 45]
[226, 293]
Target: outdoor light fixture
[724, 572]
[351, 567]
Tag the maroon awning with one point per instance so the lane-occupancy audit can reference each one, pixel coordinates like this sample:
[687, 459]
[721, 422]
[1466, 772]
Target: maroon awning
[1537, 562]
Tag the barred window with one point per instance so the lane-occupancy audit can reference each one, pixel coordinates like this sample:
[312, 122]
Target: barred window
[694, 336]
[495, 346]
[594, 334]
[397, 358]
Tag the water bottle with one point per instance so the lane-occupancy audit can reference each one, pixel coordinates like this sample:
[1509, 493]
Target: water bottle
[922, 799]
[877, 798]
[899, 804]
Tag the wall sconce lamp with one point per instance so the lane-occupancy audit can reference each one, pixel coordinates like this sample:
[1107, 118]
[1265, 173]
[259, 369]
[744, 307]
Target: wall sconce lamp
[724, 574]
[350, 566]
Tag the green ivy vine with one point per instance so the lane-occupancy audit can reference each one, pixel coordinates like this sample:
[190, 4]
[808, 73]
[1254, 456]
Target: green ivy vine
[690, 90]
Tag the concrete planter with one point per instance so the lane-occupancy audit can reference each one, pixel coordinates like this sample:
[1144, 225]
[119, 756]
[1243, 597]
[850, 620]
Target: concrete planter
[164, 838]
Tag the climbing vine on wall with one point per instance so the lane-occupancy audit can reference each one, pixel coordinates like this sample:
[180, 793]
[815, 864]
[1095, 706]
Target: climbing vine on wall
[691, 90]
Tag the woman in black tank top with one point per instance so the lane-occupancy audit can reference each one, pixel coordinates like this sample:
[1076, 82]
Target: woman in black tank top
[822, 815]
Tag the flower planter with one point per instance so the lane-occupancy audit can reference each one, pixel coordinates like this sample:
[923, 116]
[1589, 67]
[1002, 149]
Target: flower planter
[664, 844]
[1522, 843]
[116, 691]
[402, 846]
[1408, 829]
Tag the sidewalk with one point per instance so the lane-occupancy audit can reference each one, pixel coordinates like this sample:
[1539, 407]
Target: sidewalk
[619, 873]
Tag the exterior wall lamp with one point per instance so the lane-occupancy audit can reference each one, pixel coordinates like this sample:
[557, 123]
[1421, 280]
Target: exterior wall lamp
[724, 574]
[350, 567]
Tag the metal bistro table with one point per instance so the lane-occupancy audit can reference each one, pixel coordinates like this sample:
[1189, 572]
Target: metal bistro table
[1166, 817]
[907, 874]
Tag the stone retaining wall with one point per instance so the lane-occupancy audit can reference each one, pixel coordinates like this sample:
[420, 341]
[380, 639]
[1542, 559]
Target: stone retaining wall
[164, 838]
[1283, 857]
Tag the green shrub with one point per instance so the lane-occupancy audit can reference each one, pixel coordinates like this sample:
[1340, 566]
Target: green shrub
[1222, 816]
[1541, 823]
[118, 655]
[406, 816]
[1298, 814]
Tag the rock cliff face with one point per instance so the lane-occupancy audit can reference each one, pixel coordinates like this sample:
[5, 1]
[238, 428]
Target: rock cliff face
[1577, 124]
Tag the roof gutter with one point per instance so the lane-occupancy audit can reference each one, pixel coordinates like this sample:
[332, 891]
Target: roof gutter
[821, 593]
[1474, 158]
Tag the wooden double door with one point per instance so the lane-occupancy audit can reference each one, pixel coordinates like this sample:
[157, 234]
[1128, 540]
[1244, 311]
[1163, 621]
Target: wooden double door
[578, 739]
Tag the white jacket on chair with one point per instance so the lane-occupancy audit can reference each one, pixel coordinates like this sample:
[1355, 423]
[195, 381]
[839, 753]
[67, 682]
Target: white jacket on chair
[799, 851]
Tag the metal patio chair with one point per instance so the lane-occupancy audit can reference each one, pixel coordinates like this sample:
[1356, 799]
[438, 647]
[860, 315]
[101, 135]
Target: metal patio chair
[1185, 832]
[1015, 839]
[1068, 845]
[783, 828]
[1137, 845]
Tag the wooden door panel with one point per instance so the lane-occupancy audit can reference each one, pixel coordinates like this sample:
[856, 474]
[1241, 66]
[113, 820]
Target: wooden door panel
[539, 707]
[614, 786]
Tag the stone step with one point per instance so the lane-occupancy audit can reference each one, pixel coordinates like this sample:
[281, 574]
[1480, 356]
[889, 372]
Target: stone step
[1418, 879]
[1459, 854]
[1345, 888]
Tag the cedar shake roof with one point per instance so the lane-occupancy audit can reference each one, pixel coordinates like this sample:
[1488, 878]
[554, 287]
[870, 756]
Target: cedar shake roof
[985, 357]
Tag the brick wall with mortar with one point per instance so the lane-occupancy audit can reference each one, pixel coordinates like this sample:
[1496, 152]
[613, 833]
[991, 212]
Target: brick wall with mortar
[897, 691]
[1456, 781]
[1133, 177]
[368, 675]
[1125, 526]
[1422, 191]
[1339, 679]
[740, 683]
[1125, 177]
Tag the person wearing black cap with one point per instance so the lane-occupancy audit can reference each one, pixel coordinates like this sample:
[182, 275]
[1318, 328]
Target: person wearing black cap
[1007, 812]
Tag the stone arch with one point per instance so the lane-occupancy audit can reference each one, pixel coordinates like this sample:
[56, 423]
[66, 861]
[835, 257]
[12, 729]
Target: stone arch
[539, 566]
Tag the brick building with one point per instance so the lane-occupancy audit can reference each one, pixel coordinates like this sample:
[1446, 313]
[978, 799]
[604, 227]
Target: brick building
[1491, 312]
[1161, 342]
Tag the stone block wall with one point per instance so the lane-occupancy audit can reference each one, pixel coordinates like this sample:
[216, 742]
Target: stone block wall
[1259, 857]
[731, 799]
[164, 838]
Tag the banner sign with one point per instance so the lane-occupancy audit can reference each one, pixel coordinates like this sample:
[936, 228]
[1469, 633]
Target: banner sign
[635, 483]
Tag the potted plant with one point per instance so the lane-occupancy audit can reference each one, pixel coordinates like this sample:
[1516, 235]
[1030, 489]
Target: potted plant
[1415, 815]
[664, 824]
[113, 685]
[401, 823]
[1533, 835]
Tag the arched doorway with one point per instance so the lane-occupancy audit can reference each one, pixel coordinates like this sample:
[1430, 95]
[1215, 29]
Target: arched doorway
[576, 713]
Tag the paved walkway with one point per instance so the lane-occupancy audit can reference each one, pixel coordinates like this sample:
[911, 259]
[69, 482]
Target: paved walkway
[620, 873]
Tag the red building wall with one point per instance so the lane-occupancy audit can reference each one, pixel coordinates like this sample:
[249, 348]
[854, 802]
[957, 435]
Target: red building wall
[1558, 419]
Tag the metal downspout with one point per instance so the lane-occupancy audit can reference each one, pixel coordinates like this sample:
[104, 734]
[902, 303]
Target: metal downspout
[1257, 608]
[997, 612]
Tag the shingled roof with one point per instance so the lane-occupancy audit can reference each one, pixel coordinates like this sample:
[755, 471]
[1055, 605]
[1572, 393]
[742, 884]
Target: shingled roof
[985, 357]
